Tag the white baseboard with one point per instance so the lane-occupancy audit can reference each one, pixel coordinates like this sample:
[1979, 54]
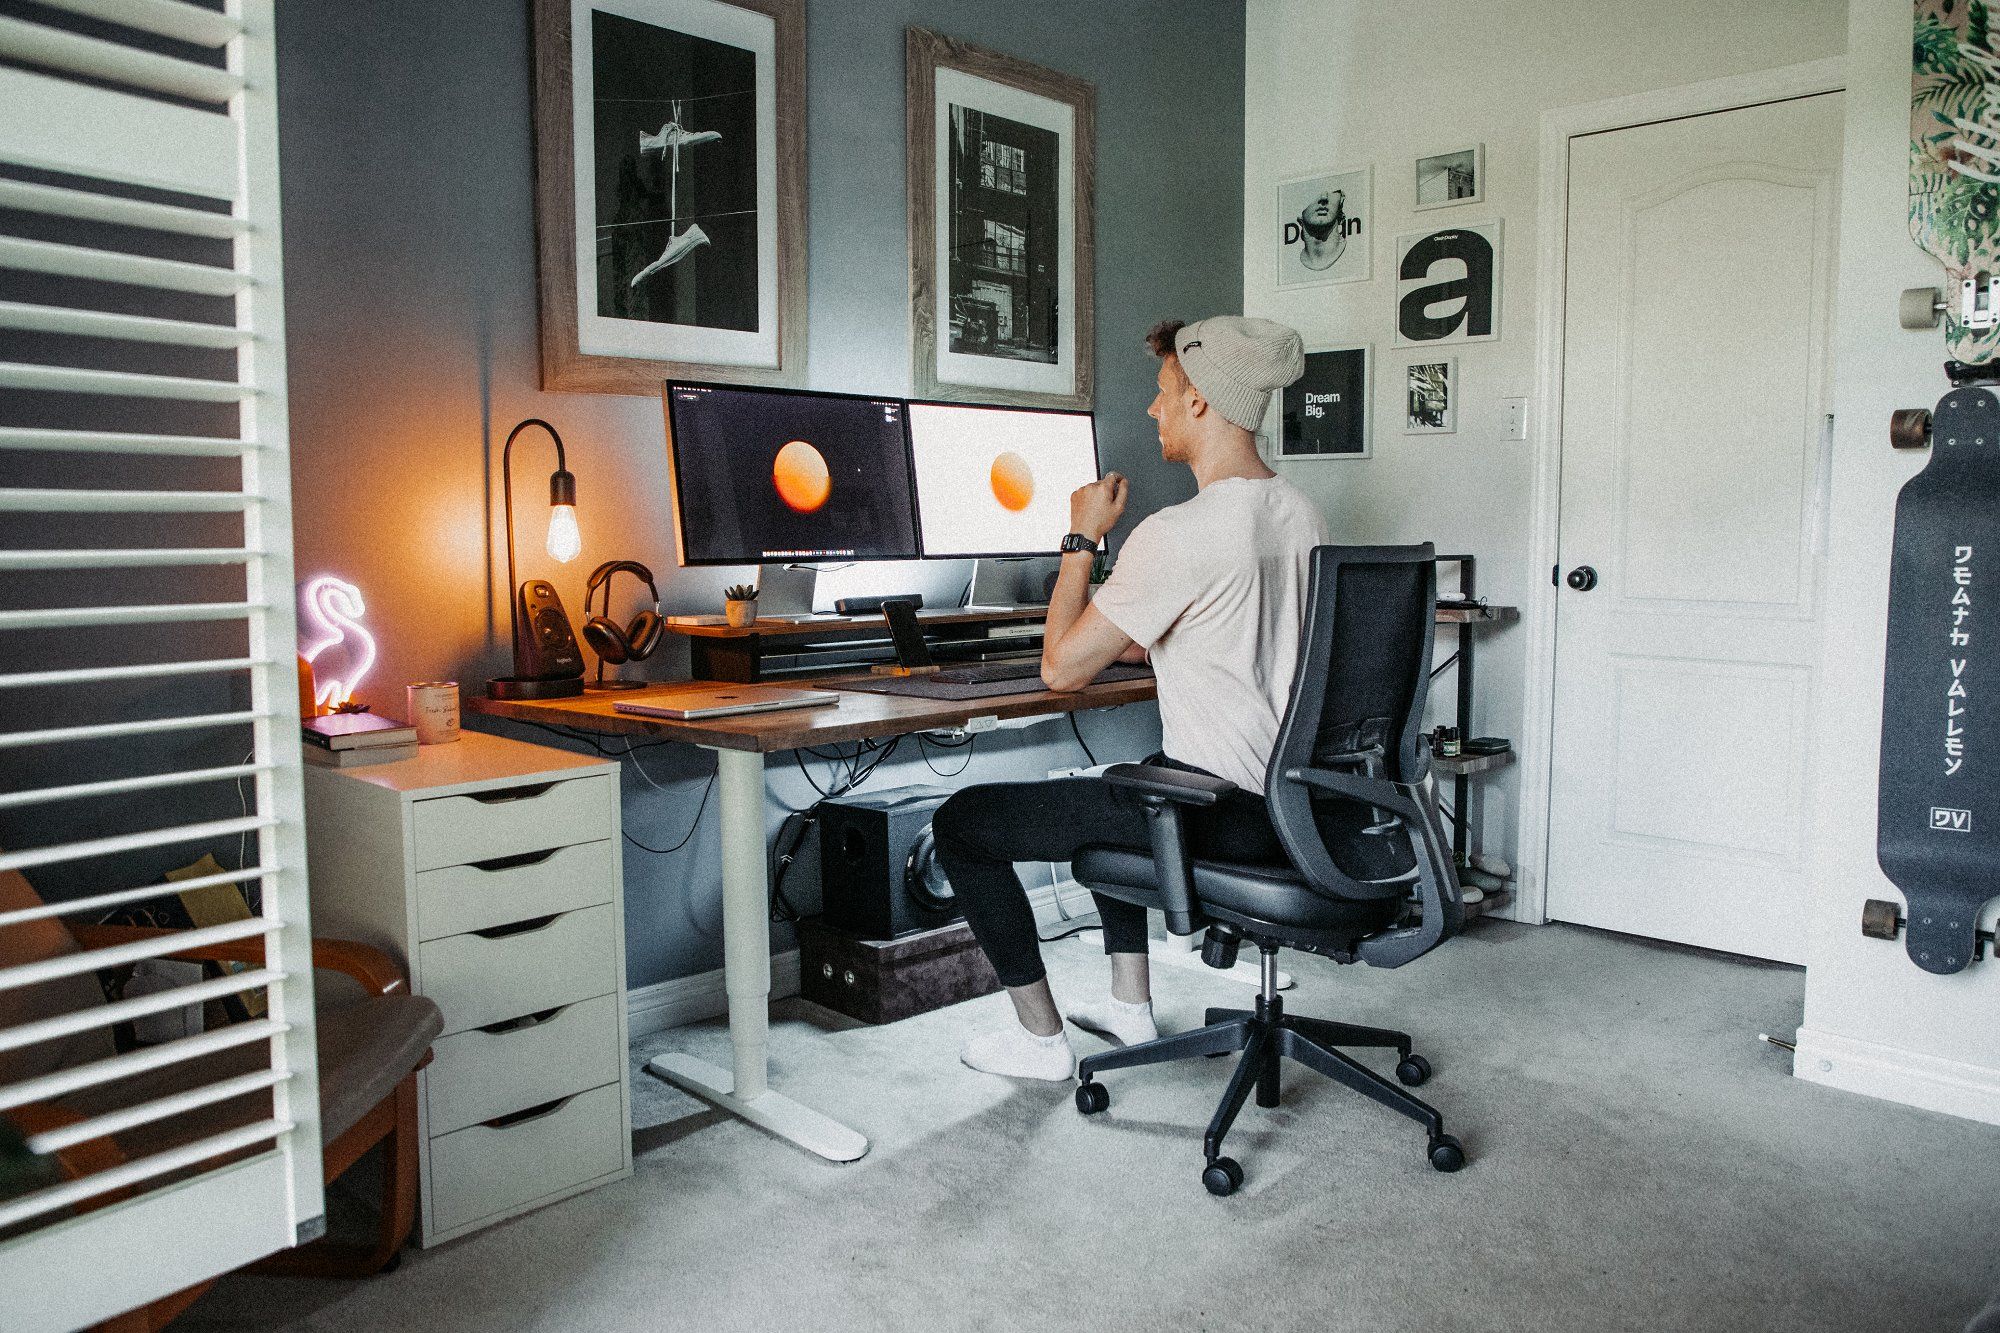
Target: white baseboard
[695, 999]
[672, 1004]
[1873, 1070]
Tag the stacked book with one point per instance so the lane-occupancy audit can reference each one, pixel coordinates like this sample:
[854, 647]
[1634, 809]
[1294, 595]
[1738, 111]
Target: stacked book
[343, 740]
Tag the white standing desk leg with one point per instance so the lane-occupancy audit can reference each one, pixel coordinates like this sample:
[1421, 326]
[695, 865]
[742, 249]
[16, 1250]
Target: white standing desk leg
[746, 964]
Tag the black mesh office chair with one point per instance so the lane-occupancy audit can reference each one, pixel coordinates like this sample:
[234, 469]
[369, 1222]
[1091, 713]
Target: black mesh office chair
[1363, 838]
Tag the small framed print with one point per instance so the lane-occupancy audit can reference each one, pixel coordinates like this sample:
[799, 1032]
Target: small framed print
[1430, 396]
[1456, 177]
[1325, 413]
[1323, 226]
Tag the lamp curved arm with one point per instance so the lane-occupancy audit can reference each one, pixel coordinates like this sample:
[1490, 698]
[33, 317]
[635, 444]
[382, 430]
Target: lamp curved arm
[562, 490]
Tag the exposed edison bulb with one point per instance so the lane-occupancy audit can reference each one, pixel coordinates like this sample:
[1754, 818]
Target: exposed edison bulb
[564, 538]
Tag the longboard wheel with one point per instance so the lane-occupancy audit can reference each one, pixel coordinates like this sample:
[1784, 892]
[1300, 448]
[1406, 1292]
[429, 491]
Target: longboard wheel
[1880, 920]
[1910, 428]
[1920, 307]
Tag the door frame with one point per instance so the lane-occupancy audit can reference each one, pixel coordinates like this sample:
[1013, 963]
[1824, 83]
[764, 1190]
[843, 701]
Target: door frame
[1559, 126]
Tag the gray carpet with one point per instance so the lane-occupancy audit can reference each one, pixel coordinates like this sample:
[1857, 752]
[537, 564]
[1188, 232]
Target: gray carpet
[1639, 1161]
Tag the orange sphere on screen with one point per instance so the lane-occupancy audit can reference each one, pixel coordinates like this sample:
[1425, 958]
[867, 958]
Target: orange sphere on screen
[799, 472]
[1013, 481]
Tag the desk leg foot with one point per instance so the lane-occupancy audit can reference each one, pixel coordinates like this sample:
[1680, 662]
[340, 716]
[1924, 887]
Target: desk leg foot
[1172, 954]
[768, 1110]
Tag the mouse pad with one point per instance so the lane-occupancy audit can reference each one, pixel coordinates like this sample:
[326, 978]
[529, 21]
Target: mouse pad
[1937, 829]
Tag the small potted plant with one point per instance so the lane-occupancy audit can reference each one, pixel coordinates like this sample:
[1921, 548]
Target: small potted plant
[739, 605]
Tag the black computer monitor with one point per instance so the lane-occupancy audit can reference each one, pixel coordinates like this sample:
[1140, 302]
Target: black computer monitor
[996, 481]
[779, 474]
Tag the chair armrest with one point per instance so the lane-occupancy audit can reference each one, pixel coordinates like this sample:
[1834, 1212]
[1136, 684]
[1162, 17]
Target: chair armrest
[79, 1159]
[375, 970]
[1437, 876]
[1380, 792]
[1173, 784]
[1161, 792]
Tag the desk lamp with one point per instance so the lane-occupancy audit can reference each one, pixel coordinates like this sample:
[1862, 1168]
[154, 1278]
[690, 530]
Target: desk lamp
[547, 662]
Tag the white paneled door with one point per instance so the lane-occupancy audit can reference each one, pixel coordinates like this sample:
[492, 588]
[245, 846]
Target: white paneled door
[1695, 368]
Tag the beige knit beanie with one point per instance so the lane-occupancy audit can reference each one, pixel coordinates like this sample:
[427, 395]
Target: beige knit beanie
[1236, 362]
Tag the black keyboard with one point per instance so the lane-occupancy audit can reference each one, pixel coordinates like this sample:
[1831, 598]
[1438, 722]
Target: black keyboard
[985, 673]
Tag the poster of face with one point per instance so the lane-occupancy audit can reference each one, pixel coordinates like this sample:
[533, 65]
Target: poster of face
[1323, 228]
[1448, 285]
[663, 157]
[1430, 397]
[1325, 412]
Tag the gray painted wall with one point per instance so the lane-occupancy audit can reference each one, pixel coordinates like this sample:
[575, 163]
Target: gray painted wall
[412, 336]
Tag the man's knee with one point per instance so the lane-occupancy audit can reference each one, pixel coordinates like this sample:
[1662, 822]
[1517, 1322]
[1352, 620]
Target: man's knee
[957, 822]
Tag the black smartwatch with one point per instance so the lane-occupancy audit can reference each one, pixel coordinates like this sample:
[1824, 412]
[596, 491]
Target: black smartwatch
[1076, 541]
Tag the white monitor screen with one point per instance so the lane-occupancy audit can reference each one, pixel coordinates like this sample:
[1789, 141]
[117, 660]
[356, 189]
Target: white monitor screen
[996, 481]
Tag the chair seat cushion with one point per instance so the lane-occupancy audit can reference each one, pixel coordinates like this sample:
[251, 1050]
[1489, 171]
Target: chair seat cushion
[365, 1050]
[1270, 894]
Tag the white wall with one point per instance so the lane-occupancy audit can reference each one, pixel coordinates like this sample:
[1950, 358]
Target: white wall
[1333, 84]
[1875, 1023]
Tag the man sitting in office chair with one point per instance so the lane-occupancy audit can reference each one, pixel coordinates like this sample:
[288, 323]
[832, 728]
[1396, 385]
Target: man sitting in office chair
[1213, 590]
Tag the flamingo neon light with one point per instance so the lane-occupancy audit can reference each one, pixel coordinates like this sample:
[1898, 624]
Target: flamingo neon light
[333, 609]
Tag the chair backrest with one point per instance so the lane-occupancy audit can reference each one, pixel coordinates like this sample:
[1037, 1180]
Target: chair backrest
[1357, 708]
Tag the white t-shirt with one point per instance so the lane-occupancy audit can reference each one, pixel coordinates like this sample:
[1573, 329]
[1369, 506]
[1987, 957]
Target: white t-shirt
[1215, 589]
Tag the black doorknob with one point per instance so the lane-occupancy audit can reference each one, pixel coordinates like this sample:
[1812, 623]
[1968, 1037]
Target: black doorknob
[1583, 578]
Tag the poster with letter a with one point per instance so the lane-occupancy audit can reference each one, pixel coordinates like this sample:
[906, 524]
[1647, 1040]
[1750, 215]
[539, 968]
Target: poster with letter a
[1448, 285]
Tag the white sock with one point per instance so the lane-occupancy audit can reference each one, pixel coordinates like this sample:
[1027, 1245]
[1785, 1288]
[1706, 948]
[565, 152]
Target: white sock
[1018, 1053]
[1126, 1024]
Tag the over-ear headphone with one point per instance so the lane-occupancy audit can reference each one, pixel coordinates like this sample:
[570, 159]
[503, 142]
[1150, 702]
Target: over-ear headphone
[635, 642]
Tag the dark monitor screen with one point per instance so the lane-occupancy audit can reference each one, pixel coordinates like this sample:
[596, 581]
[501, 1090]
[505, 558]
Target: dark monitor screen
[996, 481]
[779, 474]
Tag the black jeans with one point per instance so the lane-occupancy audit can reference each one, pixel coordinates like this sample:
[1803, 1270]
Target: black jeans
[981, 831]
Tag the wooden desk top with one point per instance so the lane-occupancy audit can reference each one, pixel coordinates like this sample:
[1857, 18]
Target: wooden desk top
[857, 717]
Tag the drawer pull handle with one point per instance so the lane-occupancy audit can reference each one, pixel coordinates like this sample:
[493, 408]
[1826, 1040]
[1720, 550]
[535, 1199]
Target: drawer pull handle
[528, 793]
[533, 923]
[515, 861]
[532, 1113]
[524, 1022]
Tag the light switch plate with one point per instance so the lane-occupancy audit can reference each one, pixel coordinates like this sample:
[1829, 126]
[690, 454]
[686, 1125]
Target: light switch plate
[1513, 418]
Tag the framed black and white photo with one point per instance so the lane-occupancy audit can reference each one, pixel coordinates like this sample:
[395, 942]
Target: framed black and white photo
[670, 192]
[1448, 285]
[1324, 414]
[1322, 230]
[1430, 396]
[1000, 160]
[1456, 177]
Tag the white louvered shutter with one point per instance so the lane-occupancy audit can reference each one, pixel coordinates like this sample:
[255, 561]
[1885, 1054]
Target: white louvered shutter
[148, 699]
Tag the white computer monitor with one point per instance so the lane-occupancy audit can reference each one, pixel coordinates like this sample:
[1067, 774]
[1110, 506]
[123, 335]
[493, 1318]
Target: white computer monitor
[995, 481]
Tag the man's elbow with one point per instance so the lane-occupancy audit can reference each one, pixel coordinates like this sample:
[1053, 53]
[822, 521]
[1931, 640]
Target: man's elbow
[1064, 679]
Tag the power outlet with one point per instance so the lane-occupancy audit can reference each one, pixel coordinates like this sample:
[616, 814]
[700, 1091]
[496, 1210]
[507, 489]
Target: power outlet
[1513, 418]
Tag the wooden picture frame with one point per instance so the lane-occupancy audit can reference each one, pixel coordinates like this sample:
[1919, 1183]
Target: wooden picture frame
[740, 331]
[1009, 317]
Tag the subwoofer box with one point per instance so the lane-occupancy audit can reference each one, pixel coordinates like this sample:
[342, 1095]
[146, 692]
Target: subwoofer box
[880, 981]
[878, 876]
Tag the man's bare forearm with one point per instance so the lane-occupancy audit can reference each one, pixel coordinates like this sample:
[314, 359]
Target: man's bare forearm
[1066, 603]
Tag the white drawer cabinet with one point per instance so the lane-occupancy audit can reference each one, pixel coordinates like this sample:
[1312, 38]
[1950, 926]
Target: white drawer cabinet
[492, 868]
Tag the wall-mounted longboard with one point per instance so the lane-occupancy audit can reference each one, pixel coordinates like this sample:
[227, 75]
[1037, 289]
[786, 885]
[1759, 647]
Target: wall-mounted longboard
[1937, 829]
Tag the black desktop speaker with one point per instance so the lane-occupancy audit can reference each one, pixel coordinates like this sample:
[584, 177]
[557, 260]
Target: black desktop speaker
[878, 872]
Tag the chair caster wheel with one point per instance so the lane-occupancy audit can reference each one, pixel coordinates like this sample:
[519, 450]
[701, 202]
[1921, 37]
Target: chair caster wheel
[1413, 1070]
[1092, 1098]
[1222, 1176]
[1447, 1153]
